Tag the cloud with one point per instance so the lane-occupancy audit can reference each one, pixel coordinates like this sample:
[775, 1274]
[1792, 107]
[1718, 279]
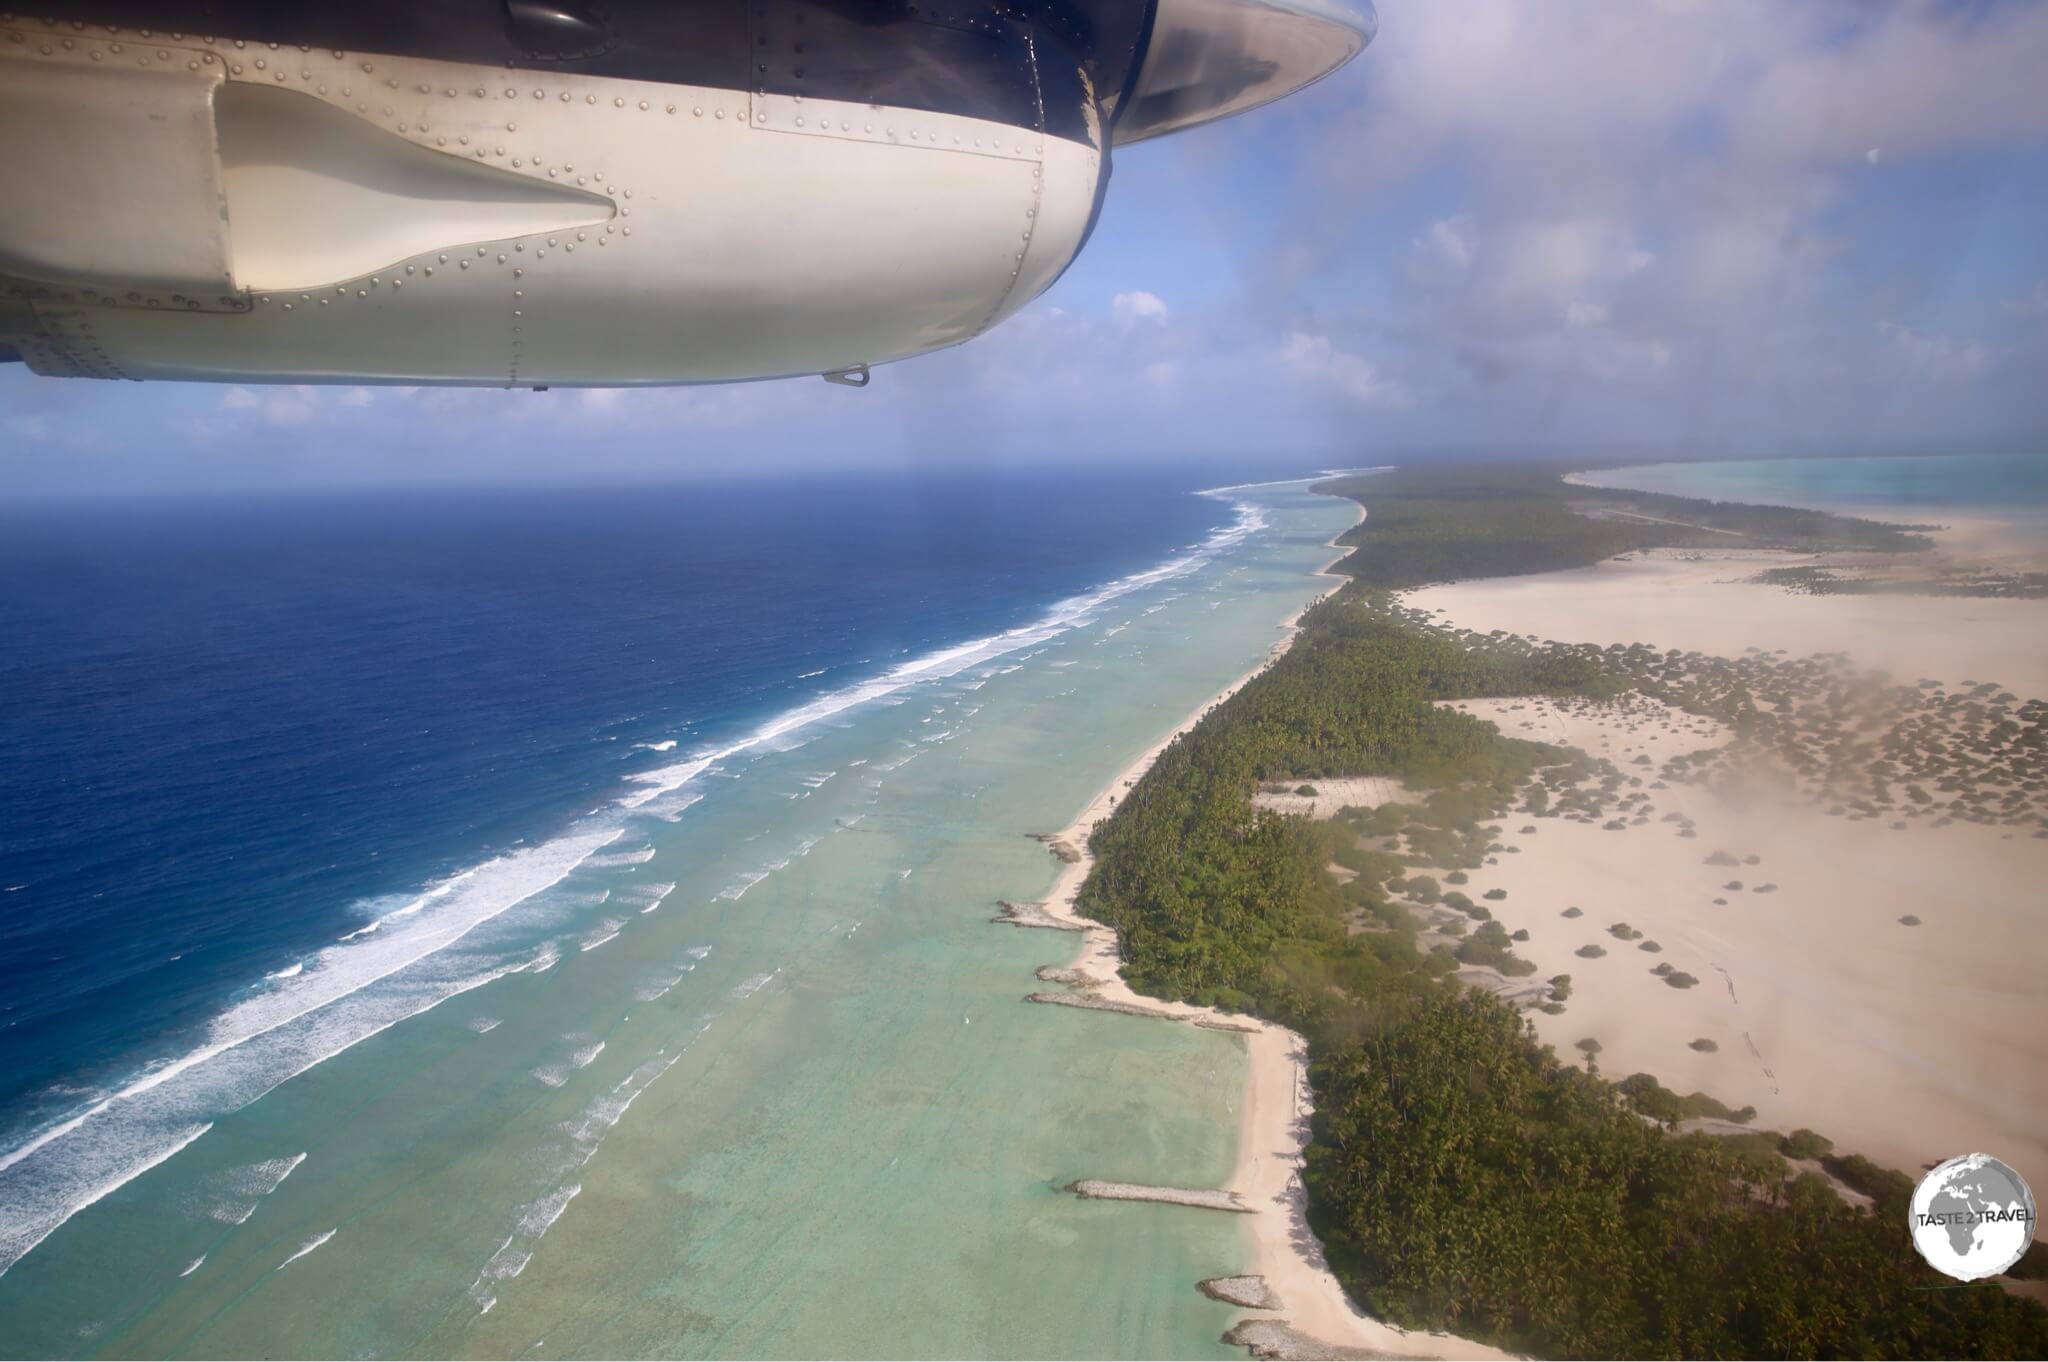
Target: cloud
[1316, 360]
[1940, 358]
[237, 399]
[1136, 306]
[1448, 242]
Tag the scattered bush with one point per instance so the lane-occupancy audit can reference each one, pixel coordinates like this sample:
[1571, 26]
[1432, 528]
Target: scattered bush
[1680, 979]
[1805, 1144]
[1560, 986]
[1890, 1189]
[1495, 894]
[1572, 912]
[1621, 931]
[1650, 946]
[1592, 952]
[1659, 1103]
[1910, 920]
[1308, 790]
[1705, 1046]
[1722, 858]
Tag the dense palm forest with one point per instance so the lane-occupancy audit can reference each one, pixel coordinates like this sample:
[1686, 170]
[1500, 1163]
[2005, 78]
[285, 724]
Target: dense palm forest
[1459, 1175]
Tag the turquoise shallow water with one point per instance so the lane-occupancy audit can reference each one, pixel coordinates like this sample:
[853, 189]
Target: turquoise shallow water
[2012, 485]
[748, 1074]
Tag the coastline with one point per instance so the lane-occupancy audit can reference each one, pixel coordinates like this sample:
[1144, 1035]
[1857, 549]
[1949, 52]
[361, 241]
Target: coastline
[1276, 1105]
[1974, 535]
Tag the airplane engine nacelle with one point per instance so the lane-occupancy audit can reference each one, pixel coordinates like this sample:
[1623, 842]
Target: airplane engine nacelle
[532, 194]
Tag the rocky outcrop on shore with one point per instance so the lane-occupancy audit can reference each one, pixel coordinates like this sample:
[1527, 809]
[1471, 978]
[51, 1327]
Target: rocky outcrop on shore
[1033, 915]
[1250, 1292]
[1276, 1338]
[1201, 1198]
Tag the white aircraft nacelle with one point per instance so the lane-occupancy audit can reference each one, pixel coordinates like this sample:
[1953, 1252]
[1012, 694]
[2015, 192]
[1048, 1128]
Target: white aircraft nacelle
[205, 207]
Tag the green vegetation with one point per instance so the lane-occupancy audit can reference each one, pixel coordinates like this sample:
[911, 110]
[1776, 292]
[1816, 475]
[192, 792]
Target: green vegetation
[1452, 523]
[1818, 581]
[1659, 1103]
[1459, 1174]
[1705, 1046]
[1678, 978]
[1805, 1144]
[1489, 947]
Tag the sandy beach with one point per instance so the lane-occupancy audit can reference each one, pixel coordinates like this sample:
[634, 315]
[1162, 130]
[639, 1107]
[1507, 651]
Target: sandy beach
[1874, 977]
[1276, 1107]
[1706, 599]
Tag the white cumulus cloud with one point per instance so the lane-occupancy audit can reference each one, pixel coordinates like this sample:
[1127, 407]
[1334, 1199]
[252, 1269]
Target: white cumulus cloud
[1137, 306]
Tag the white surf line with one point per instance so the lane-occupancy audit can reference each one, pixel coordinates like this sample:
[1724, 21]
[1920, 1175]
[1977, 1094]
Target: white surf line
[315, 1242]
[586, 1135]
[40, 1188]
[948, 662]
[64, 1169]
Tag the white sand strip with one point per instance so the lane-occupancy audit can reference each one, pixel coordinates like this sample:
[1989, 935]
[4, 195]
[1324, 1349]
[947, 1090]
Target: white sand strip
[1276, 1109]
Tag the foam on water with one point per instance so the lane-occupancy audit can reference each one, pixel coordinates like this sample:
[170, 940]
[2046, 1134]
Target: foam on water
[948, 662]
[315, 1242]
[748, 987]
[231, 1196]
[607, 930]
[353, 990]
[415, 955]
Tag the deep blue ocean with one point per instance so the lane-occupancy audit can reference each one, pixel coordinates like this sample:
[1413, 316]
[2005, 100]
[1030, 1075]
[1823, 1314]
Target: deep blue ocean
[231, 729]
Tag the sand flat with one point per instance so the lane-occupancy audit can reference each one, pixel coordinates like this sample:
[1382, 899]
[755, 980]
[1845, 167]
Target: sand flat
[1906, 1043]
[1701, 600]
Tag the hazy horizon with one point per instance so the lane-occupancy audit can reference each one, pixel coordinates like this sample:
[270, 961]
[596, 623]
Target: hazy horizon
[1613, 231]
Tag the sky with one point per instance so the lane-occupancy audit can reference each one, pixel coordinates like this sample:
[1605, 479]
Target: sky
[1616, 228]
